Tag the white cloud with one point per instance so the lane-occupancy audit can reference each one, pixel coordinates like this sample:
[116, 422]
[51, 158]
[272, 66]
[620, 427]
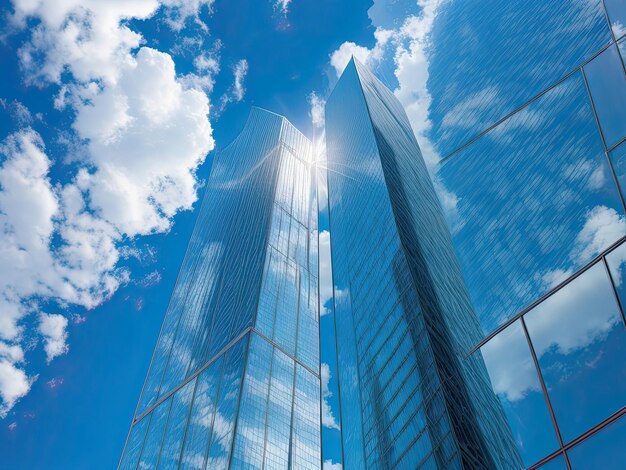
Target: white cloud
[53, 330]
[369, 57]
[330, 465]
[603, 226]
[240, 71]
[141, 133]
[328, 419]
[237, 91]
[178, 11]
[14, 384]
[316, 113]
[90, 38]
[147, 136]
[325, 271]
[282, 5]
[618, 29]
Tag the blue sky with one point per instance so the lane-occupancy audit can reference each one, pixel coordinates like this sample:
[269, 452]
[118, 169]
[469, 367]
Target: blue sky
[110, 113]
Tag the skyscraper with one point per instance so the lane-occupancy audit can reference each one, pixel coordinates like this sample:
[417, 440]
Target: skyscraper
[235, 377]
[404, 318]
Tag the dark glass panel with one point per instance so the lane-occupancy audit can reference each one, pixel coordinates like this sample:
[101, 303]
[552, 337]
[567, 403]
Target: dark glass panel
[536, 201]
[607, 84]
[604, 450]
[557, 463]
[488, 57]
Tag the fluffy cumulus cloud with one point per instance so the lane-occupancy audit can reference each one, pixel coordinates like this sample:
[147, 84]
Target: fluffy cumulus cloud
[328, 419]
[340, 58]
[330, 465]
[326, 273]
[142, 131]
[53, 330]
[316, 112]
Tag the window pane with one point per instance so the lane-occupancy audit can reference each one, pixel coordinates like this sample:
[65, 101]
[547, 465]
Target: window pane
[617, 264]
[535, 201]
[514, 379]
[618, 158]
[607, 83]
[202, 417]
[604, 450]
[226, 409]
[580, 342]
[135, 442]
[616, 10]
[557, 463]
[152, 446]
[176, 425]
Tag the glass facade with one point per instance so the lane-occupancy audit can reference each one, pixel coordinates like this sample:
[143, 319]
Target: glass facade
[235, 377]
[404, 318]
[480, 308]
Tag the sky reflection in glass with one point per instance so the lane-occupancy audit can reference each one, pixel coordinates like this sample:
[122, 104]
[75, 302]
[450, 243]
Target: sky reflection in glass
[580, 342]
[514, 378]
[491, 56]
[557, 463]
[616, 9]
[535, 202]
[607, 84]
[604, 450]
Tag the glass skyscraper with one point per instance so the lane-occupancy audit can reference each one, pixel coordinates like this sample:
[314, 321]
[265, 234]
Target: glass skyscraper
[404, 318]
[235, 376]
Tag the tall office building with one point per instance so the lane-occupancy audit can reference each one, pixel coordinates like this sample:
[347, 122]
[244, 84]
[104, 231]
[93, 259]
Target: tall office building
[235, 377]
[404, 318]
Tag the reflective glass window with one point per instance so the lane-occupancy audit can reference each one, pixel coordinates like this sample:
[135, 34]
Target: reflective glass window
[154, 437]
[557, 463]
[607, 84]
[616, 9]
[580, 342]
[616, 261]
[226, 409]
[488, 57]
[514, 379]
[535, 202]
[201, 418]
[604, 450]
[618, 159]
[176, 426]
[134, 444]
